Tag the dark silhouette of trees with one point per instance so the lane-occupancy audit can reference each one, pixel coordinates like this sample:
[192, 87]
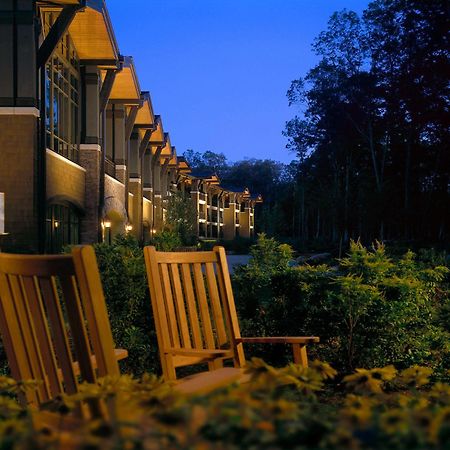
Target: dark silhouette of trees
[372, 137]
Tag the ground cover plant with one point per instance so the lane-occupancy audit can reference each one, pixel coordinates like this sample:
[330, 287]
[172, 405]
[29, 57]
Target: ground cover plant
[287, 408]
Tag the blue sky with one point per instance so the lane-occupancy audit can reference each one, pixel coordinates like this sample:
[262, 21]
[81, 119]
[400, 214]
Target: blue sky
[218, 70]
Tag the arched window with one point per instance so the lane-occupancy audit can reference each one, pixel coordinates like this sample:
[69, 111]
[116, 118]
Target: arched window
[62, 227]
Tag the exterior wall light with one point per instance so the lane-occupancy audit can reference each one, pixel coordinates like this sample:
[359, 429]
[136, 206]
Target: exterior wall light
[2, 213]
[107, 223]
[129, 228]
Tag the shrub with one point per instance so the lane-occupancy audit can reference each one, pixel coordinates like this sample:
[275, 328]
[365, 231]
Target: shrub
[288, 408]
[166, 241]
[123, 275]
[181, 218]
[368, 311]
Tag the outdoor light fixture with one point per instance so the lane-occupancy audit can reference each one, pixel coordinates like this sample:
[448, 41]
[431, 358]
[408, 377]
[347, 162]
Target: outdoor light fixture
[56, 224]
[107, 223]
[128, 228]
[2, 213]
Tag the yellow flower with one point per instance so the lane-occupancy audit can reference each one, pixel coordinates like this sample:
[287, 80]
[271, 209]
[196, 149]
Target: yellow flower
[265, 425]
[439, 423]
[422, 419]
[363, 381]
[343, 439]
[323, 369]
[358, 401]
[416, 376]
[387, 373]
[257, 368]
[440, 391]
[304, 378]
[357, 416]
[394, 421]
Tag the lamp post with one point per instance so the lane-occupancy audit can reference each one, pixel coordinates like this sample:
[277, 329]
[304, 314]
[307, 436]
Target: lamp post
[107, 230]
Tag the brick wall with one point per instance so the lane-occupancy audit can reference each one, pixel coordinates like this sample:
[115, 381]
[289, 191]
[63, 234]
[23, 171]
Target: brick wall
[18, 180]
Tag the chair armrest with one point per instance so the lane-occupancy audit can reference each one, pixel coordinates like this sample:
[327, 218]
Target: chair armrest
[119, 353]
[278, 340]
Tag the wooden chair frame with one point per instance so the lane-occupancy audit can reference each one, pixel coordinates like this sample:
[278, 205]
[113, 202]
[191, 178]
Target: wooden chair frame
[42, 297]
[195, 314]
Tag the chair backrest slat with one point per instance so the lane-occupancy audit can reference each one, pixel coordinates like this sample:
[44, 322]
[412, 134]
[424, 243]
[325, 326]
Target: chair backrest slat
[53, 312]
[27, 331]
[193, 310]
[203, 306]
[42, 333]
[60, 338]
[170, 307]
[216, 306]
[180, 306]
[94, 306]
[191, 305]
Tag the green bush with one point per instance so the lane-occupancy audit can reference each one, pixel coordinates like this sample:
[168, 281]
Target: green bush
[166, 241]
[123, 275]
[368, 311]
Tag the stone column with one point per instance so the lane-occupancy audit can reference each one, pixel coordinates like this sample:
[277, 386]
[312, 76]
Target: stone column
[120, 143]
[195, 196]
[91, 156]
[229, 219]
[135, 183]
[244, 221]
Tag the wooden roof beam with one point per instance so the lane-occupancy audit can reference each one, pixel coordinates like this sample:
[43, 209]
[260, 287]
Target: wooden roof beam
[56, 32]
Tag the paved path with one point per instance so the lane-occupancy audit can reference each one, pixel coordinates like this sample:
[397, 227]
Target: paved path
[235, 260]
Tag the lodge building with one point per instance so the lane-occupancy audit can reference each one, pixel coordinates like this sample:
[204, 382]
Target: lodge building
[83, 156]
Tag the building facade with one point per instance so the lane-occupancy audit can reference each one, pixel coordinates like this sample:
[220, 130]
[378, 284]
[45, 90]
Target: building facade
[83, 156]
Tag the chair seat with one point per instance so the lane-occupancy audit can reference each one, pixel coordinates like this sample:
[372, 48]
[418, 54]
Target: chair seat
[204, 382]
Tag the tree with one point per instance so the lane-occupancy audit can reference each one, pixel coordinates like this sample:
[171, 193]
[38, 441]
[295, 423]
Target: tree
[372, 133]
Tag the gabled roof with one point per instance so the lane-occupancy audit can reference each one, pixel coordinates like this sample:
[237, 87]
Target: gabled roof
[92, 32]
[126, 88]
[157, 137]
[183, 165]
[167, 149]
[145, 117]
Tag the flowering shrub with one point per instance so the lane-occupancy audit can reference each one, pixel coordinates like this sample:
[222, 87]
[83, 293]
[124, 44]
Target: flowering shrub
[288, 408]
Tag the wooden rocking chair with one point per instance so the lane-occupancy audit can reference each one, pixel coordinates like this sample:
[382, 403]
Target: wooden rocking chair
[196, 321]
[54, 324]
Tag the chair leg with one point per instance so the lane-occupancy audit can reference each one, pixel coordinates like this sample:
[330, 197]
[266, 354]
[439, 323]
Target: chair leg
[300, 355]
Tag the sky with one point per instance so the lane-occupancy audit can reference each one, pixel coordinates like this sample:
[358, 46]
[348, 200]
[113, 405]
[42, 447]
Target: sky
[218, 70]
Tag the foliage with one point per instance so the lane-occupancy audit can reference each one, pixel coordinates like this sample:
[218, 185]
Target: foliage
[181, 218]
[289, 408]
[371, 130]
[269, 256]
[368, 311]
[123, 275]
[166, 240]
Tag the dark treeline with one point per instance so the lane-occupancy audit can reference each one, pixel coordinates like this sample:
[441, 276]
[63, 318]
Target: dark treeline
[371, 134]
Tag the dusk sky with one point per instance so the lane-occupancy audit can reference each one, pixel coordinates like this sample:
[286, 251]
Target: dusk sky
[218, 70]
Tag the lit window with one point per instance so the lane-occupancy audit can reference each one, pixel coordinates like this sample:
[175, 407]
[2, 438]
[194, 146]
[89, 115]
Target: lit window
[62, 84]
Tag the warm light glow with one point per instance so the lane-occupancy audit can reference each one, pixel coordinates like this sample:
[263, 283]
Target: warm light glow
[129, 227]
[56, 224]
[107, 224]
